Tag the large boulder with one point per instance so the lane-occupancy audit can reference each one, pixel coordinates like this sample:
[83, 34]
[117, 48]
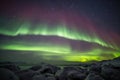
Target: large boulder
[115, 63]
[6, 74]
[50, 78]
[11, 66]
[76, 75]
[70, 73]
[45, 68]
[39, 77]
[36, 67]
[93, 76]
[96, 68]
[46, 76]
[110, 73]
[26, 74]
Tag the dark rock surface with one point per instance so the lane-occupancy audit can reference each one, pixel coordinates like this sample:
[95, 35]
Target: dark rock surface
[93, 76]
[103, 70]
[6, 74]
[11, 66]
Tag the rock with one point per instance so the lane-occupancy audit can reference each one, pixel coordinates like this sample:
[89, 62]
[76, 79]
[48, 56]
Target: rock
[50, 78]
[61, 74]
[96, 68]
[49, 75]
[71, 73]
[11, 66]
[26, 74]
[37, 67]
[115, 63]
[45, 68]
[110, 73]
[46, 76]
[6, 74]
[93, 76]
[38, 77]
[103, 70]
[76, 75]
[58, 74]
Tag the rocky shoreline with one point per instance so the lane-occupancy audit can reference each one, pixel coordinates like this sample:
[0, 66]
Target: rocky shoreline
[103, 70]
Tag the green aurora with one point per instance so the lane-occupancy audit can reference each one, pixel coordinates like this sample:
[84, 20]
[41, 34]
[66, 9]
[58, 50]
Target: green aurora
[60, 30]
[50, 49]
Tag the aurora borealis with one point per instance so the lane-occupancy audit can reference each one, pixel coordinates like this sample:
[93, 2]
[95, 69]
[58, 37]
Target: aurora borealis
[57, 31]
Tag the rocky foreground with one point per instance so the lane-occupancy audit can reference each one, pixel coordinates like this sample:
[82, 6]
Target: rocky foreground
[103, 70]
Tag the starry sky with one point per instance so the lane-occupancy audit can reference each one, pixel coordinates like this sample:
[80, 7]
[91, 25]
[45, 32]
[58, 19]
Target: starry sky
[59, 30]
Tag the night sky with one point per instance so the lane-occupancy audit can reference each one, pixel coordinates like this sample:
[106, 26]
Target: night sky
[59, 30]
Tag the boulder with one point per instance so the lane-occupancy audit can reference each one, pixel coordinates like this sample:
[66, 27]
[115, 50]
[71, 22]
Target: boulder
[76, 75]
[96, 68]
[50, 78]
[93, 76]
[38, 77]
[110, 73]
[45, 68]
[6, 74]
[71, 73]
[26, 74]
[11, 66]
